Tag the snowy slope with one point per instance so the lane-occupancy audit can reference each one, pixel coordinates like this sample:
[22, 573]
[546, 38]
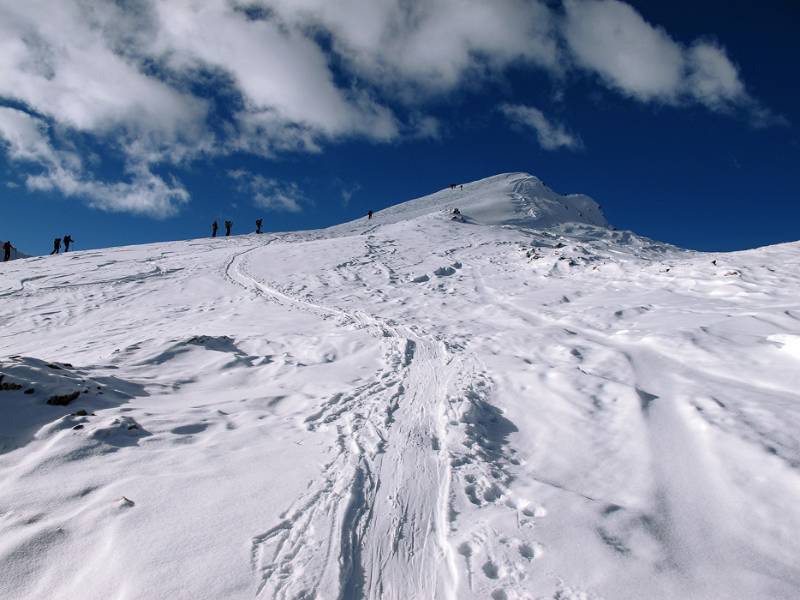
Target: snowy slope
[525, 404]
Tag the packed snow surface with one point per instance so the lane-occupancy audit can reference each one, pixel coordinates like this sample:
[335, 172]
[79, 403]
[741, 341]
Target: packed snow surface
[512, 402]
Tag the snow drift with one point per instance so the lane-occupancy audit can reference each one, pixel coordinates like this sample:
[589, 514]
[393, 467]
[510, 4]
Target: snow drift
[523, 403]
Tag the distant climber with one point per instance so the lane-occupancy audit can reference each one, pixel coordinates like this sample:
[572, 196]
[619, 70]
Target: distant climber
[56, 246]
[7, 251]
[228, 225]
[259, 222]
[67, 241]
[462, 186]
[714, 262]
[214, 228]
[369, 215]
[452, 186]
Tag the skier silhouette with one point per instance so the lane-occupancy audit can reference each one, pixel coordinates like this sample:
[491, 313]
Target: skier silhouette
[214, 228]
[56, 246]
[258, 225]
[7, 251]
[369, 215]
[67, 241]
[228, 225]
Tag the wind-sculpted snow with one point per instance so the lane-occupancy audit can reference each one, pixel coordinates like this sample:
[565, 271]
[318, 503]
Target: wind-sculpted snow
[520, 403]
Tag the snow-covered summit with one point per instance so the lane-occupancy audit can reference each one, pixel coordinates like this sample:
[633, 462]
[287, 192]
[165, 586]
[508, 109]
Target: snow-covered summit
[518, 199]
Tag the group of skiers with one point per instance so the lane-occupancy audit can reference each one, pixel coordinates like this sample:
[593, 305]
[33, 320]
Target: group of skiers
[229, 226]
[214, 227]
[67, 240]
[57, 244]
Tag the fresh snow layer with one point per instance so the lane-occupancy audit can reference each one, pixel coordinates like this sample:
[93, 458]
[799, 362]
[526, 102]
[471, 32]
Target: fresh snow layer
[516, 403]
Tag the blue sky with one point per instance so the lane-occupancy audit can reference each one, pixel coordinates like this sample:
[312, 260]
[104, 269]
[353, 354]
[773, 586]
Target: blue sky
[133, 122]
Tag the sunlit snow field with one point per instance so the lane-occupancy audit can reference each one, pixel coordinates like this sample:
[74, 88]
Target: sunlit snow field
[520, 403]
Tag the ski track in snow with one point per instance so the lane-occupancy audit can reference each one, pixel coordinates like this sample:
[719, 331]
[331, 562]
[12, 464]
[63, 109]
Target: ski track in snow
[517, 404]
[364, 504]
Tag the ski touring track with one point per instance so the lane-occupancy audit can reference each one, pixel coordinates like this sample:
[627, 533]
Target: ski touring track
[375, 523]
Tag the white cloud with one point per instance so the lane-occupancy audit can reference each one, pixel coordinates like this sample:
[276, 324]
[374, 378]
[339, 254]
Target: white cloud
[430, 46]
[425, 127]
[281, 72]
[25, 137]
[348, 191]
[122, 74]
[713, 79]
[57, 59]
[268, 193]
[611, 39]
[551, 135]
[26, 140]
[145, 193]
[165, 82]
